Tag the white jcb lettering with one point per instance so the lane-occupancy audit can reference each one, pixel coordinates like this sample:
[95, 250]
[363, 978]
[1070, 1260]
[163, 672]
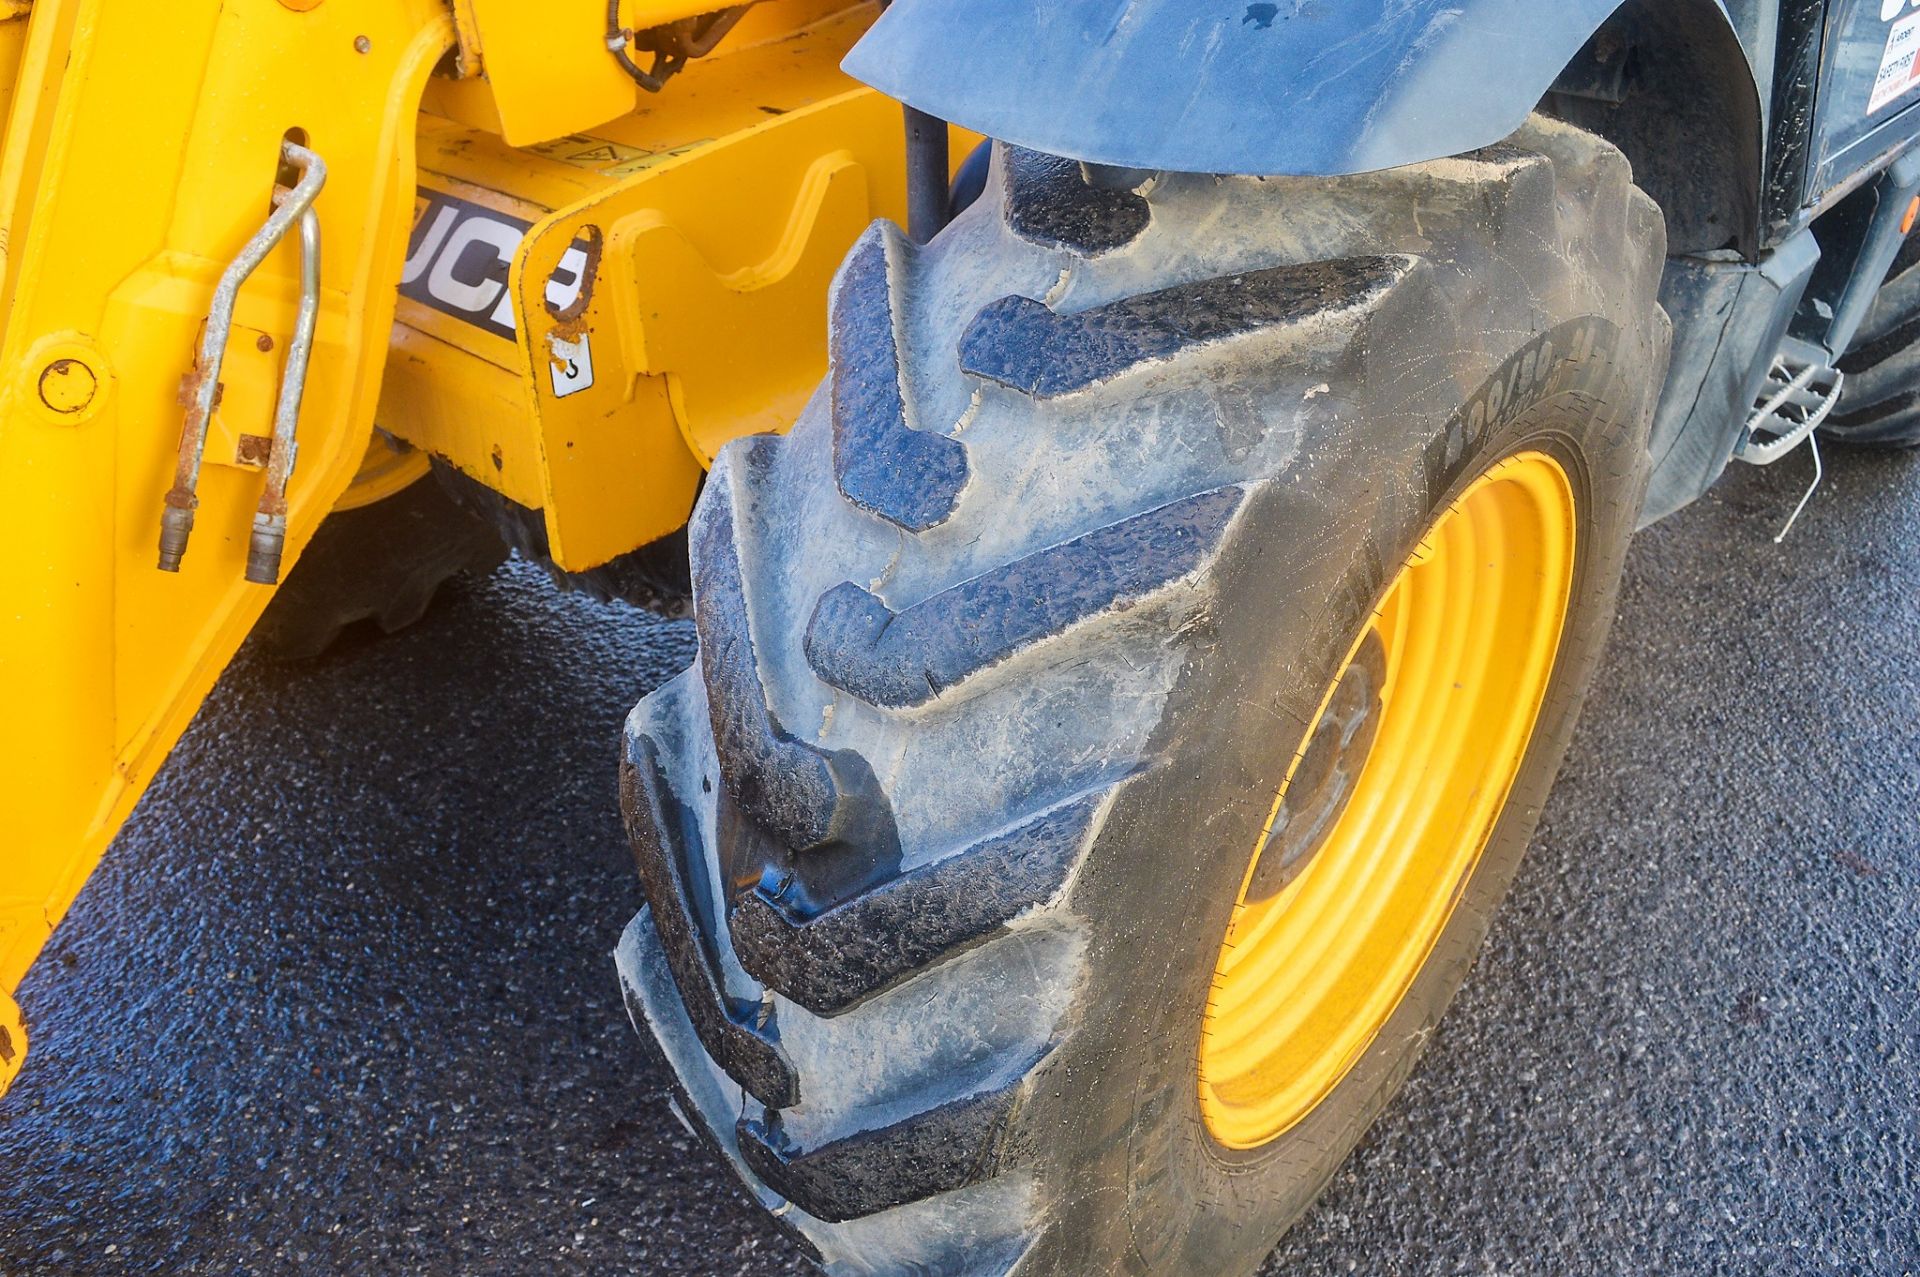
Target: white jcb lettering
[423, 254]
[473, 296]
[459, 261]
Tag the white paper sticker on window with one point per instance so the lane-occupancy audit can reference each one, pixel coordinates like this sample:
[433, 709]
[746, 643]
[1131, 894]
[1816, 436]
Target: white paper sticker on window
[1898, 70]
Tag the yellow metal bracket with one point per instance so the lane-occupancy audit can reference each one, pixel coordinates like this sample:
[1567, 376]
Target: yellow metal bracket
[712, 290]
[682, 303]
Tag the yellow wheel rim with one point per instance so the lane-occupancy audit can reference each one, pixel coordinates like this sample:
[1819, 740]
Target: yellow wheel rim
[384, 471]
[1399, 784]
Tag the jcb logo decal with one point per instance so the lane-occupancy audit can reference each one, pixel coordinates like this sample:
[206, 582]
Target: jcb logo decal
[458, 258]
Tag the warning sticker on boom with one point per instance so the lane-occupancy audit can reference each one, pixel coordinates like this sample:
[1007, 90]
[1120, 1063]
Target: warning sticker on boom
[610, 159]
[1899, 67]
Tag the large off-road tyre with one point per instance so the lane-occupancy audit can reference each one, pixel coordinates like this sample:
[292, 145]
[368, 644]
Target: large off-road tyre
[1880, 400]
[381, 561]
[1007, 651]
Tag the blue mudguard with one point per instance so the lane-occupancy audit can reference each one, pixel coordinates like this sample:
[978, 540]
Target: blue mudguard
[1225, 86]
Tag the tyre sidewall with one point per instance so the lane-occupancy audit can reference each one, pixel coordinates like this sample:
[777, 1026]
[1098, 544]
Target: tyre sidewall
[1307, 564]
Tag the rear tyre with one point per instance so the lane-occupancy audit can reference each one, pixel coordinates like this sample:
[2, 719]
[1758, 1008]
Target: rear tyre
[1101, 521]
[652, 576]
[1880, 402]
[380, 561]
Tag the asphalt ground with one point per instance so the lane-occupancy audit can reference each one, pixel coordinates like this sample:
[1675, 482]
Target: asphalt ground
[340, 1000]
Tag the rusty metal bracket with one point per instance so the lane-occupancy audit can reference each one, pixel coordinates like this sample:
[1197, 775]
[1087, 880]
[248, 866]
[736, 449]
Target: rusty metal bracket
[202, 386]
[13, 1041]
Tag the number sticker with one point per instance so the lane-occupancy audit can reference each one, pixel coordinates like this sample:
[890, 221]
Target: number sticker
[571, 365]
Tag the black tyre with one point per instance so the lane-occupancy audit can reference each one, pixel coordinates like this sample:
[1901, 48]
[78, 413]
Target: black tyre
[381, 562]
[1007, 650]
[1880, 401]
[652, 576]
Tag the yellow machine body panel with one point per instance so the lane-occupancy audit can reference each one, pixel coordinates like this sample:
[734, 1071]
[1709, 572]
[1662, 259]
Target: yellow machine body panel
[584, 321]
[139, 158]
[546, 67]
[571, 291]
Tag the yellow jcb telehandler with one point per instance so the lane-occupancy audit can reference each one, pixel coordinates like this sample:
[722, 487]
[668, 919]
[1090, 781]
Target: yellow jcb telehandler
[1146, 565]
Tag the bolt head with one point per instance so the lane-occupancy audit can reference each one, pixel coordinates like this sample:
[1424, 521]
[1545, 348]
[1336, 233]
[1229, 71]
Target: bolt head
[68, 386]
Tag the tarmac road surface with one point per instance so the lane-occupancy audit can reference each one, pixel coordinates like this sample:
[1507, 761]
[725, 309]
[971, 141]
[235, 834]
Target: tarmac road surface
[340, 999]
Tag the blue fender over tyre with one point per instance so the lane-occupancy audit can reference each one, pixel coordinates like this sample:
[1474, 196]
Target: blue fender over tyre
[1289, 87]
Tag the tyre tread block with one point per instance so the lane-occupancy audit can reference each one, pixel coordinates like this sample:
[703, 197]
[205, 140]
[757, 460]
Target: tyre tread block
[1878, 409]
[1022, 343]
[911, 478]
[849, 953]
[796, 791]
[653, 818]
[1892, 421]
[651, 576]
[382, 562]
[938, 1151]
[1873, 353]
[1048, 202]
[906, 659]
[672, 1090]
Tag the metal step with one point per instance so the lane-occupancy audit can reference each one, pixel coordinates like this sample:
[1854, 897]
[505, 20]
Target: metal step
[1800, 391]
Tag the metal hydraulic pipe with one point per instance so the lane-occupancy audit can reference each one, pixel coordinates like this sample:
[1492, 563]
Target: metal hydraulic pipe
[270, 520]
[203, 383]
[927, 183]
